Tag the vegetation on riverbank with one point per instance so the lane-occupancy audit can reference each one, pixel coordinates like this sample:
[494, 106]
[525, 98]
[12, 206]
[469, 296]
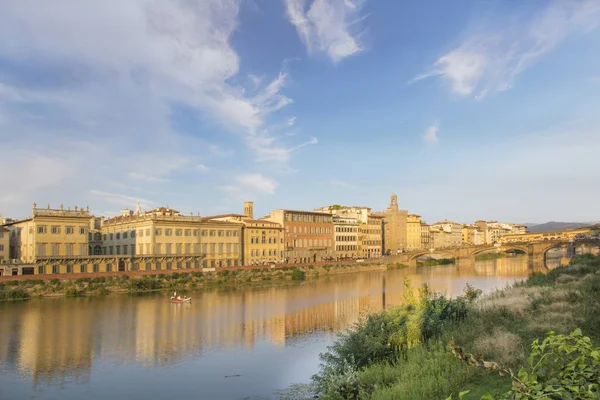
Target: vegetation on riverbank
[405, 352]
[436, 261]
[102, 285]
[489, 256]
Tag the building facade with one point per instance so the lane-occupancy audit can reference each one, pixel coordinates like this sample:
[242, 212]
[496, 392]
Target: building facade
[425, 236]
[372, 247]
[308, 235]
[345, 236]
[454, 229]
[413, 232]
[165, 232]
[4, 247]
[262, 240]
[50, 233]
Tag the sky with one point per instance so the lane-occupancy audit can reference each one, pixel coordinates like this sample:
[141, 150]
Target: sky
[465, 109]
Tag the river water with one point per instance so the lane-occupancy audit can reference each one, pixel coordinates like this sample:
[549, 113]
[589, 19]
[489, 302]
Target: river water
[244, 343]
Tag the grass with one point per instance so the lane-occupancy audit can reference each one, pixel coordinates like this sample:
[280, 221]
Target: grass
[498, 328]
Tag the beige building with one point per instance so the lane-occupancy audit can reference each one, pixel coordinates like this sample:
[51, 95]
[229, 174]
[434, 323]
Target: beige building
[454, 229]
[372, 247]
[4, 245]
[439, 238]
[394, 227]
[308, 235]
[413, 232]
[425, 236]
[165, 232]
[345, 236]
[50, 233]
[262, 240]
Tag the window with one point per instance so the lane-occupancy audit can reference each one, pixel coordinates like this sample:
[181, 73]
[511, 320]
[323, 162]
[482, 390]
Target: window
[140, 233]
[55, 269]
[188, 248]
[41, 270]
[108, 267]
[82, 268]
[178, 232]
[148, 266]
[178, 248]
[227, 233]
[168, 232]
[235, 248]
[133, 234]
[69, 230]
[95, 267]
[228, 248]
[124, 249]
[124, 235]
[55, 247]
[158, 232]
[40, 229]
[118, 248]
[69, 249]
[157, 265]
[196, 248]
[158, 248]
[179, 264]
[83, 249]
[118, 236]
[1, 247]
[212, 248]
[168, 248]
[82, 231]
[188, 264]
[204, 248]
[110, 250]
[69, 269]
[204, 232]
[169, 265]
[196, 232]
[220, 233]
[220, 248]
[212, 233]
[188, 232]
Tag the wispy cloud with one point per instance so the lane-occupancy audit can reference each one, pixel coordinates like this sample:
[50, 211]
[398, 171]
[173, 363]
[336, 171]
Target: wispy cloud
[431, 134]
[328, 26]
[122, 200]
[339, 183]
[491, 58]
[249, 186]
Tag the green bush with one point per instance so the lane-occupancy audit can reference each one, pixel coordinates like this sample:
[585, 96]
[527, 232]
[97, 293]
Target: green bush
[298, 275]
[14, 294]
[73, 292]
[144, 283]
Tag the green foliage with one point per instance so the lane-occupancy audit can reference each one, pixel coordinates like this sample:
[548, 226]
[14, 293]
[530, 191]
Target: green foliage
[144, 283]
[73, 292]
[384, 338]
[298, 275]
[432, 262]
[489, 256]
[14, 294]
[396, 266]
[472, 294]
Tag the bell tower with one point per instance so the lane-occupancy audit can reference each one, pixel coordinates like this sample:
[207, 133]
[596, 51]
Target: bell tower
[249, 209]
[394, 202]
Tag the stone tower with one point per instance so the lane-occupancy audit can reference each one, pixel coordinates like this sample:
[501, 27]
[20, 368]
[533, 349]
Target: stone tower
[394, 202]
[249, 209]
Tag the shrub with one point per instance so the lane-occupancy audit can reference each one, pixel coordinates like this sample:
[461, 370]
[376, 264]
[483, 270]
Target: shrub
[72, 292]
[144, 283]
[14, 294]
[298, 275]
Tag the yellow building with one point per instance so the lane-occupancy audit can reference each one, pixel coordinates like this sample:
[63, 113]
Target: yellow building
[425, 236]
[262, 240]
[165, 232]
[50, 233]
[413, 232]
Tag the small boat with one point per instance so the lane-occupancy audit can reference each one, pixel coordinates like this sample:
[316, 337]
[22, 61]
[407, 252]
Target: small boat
[179, 299]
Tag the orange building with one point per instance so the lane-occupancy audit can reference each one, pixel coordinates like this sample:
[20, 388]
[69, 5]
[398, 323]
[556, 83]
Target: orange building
[308, 235]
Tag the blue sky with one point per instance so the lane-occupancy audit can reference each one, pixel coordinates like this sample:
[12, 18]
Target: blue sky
[466, 109]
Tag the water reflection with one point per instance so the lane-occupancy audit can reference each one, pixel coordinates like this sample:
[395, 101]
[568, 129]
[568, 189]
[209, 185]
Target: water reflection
[58, 342]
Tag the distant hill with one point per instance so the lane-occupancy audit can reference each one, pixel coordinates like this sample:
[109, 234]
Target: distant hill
[555, 226]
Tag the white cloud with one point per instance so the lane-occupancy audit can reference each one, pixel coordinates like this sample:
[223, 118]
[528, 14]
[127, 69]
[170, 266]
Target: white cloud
[124, 201]
[491, 59]
[108, 78]
[327, 26]
[202, 168]
[250, 185]
[431, 134]
[336, 182]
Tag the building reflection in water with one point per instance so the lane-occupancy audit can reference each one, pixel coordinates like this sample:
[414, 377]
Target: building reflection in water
[56, 341]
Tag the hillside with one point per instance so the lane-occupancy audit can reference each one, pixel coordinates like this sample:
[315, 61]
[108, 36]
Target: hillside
[556, 226]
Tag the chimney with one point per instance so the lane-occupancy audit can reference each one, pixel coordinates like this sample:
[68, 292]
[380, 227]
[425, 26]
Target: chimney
[249, 209]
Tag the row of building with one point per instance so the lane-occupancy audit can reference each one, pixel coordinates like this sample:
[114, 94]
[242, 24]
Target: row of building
[284, 236]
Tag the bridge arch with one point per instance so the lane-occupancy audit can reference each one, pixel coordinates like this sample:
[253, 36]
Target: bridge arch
[416, 255]
[504, 248]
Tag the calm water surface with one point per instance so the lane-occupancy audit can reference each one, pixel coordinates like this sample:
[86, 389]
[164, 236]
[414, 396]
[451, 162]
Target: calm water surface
[144, 347]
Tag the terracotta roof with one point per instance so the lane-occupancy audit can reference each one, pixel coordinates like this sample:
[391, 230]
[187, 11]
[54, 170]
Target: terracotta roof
[307, 212]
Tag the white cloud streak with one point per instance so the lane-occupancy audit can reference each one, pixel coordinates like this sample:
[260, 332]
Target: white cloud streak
[431, 134]
[339, 183]
[491, 60]
[327, 26]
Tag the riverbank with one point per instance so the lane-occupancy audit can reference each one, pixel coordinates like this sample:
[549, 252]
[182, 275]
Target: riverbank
[404, 353]
[436, 261]
[23, 289]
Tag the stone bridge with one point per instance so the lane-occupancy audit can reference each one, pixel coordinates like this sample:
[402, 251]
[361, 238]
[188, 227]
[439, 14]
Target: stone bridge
[536, 251]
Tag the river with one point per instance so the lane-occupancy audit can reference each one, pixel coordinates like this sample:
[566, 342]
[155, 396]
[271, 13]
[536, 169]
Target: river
[244, 343]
